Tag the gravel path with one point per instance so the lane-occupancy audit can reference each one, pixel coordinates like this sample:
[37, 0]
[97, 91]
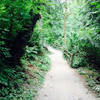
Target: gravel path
[62, 82]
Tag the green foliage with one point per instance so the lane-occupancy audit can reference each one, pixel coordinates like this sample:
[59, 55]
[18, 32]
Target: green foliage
[82, 33]
[31, 52]
[17, 21]
[91, 77]
[10, 80]
[18, 37]
[22, 37]
[22, 83]
[36, 70]
[52, 24]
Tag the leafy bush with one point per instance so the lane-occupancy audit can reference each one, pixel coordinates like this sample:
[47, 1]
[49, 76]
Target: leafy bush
[17, 23]
[83, 38]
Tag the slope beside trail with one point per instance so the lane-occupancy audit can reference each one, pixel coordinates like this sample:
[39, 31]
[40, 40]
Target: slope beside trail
[62, 82]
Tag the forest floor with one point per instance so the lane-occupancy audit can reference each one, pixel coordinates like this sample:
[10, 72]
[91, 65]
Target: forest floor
[62, 82]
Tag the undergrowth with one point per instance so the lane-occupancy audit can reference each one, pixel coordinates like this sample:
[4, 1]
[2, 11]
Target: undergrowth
[92, 77]
[22, 83]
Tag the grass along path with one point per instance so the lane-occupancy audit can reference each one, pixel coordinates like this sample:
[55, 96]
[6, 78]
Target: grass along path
[62, 82]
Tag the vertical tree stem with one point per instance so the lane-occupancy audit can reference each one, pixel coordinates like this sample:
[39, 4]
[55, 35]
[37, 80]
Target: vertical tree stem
[65, 24]
[72, 59]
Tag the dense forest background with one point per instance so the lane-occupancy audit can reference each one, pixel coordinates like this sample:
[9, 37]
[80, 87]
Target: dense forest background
[27, 26]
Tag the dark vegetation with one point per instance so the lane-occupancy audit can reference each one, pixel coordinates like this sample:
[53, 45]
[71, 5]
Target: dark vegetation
[27, 25]
[22, 58]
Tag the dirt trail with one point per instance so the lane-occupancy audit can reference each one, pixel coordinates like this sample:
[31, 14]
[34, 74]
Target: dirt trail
[62, 82]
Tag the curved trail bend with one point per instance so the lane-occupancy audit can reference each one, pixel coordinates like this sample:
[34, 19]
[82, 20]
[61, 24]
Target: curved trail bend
[62, 82]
